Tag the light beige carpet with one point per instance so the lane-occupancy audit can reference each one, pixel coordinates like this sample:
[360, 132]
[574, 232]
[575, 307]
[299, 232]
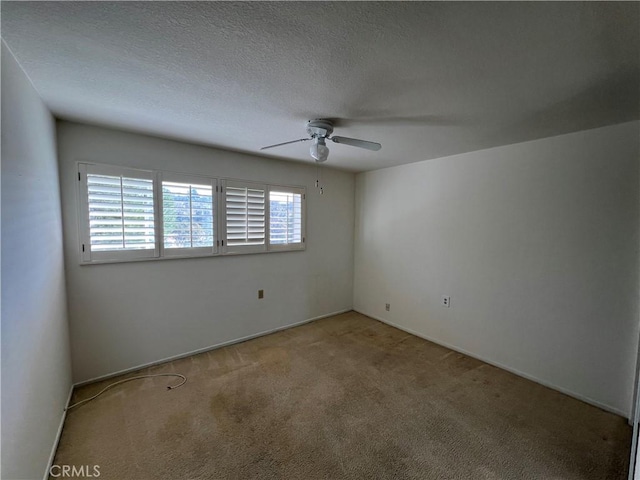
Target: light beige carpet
[344, 397]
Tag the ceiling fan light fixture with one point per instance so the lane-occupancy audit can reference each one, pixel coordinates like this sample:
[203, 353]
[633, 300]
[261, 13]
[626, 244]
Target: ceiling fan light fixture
[320, 131]
[319, 150]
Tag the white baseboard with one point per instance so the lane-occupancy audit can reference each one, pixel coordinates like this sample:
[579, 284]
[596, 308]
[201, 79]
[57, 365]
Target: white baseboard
[56, 441]
[206, 349]
[570, 393]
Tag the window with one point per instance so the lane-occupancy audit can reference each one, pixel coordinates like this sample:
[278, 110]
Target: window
[245, 217]
[127, 214]
[285, 218]
[119, 220]
[188, 215]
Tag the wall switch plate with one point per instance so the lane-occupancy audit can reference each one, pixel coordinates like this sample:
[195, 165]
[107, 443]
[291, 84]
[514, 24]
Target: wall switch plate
[260, 293]
[387, 306]
[445, 301]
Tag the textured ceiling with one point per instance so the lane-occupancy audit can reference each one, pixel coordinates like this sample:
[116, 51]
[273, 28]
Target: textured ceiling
[424, 79]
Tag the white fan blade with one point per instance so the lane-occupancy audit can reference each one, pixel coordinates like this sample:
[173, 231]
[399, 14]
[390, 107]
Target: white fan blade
[354, 142]
[285, 143]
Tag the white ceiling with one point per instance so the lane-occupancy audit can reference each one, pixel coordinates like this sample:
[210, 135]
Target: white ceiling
[424, 79]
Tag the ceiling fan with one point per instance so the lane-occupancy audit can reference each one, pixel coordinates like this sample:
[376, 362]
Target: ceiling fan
[319, 131]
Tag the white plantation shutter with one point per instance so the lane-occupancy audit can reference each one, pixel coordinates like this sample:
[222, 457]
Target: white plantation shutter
[188, 215]
[245, 217]
[120, 218]
[286, 218]
[128, 214]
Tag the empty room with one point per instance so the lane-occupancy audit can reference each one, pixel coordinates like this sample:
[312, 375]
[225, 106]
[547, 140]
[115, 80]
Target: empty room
[320, 240]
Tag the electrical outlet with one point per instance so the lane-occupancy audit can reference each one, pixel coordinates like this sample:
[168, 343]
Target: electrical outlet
[260, 293]
[445, 301]
[387, 306]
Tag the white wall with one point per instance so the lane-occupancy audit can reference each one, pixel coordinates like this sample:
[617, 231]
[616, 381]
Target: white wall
[537, 245]
[36, 368]
[129, 314]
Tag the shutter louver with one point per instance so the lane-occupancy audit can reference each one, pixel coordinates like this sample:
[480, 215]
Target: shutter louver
[245, 216]
[121, 213]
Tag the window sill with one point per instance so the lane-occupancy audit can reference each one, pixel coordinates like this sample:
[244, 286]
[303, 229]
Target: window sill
[188, 257]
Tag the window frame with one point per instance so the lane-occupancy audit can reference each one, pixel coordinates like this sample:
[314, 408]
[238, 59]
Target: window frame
[280, 247]
[160, 252]
[86, 253]
[242, 249]
[188, 251]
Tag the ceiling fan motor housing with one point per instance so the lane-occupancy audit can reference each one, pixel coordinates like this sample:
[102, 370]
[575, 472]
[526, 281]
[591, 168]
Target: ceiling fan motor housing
[319, 128]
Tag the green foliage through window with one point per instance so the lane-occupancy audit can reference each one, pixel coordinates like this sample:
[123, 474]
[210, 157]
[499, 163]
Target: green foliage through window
[187, 212]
